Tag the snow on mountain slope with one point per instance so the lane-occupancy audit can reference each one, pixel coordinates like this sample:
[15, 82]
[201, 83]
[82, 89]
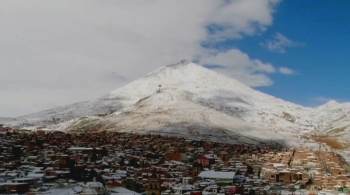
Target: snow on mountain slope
[174, 112]
[209, 89]
[52, 117]
[333, 119]
[183, 98]
[56, 115]
[215, 91]
[332, 115]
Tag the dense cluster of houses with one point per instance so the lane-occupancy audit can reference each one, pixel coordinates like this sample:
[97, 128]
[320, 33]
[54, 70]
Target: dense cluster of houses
[118, 163]
[313, 169]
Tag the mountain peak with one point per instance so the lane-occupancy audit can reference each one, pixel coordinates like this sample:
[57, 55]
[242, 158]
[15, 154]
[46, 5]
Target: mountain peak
[184, 67]
[330, 104]
[333, 104]
[186, 76]
[182, 62]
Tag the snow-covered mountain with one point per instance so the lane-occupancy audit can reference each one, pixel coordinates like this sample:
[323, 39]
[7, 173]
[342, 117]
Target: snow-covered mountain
[190, 100]
[192, 94]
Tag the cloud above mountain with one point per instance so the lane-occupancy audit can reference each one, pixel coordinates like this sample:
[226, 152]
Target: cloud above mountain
[280, 43]
[239, 65]
[54, 52]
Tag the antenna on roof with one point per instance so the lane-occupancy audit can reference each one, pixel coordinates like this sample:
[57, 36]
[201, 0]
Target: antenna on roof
[183, 61]
[159, 88]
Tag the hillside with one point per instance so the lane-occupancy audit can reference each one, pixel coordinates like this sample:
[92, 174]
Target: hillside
[186, 99]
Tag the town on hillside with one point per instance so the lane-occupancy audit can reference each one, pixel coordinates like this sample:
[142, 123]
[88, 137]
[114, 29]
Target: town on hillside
[102, 163]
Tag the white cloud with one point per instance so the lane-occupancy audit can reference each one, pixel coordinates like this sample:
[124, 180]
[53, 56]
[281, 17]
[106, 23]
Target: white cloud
[239, 65]
[235, 18]
[55, 52]
[280, 43]
[286, 71]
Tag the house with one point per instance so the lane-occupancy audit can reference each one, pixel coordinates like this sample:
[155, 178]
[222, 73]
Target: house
[122, 191]
[218, 176]
[203, 161]
[14, 187]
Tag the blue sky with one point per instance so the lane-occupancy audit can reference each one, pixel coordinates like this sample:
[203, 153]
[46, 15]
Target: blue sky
[321, 60]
